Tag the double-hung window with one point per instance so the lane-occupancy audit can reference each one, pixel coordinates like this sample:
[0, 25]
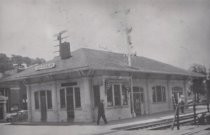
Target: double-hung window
[47, 94]
[117, 95]
[76, 97]
[158, 94]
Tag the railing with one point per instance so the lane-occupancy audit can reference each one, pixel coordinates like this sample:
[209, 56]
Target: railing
[177, 115]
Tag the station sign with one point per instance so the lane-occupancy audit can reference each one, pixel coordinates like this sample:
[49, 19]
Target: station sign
[45, 66]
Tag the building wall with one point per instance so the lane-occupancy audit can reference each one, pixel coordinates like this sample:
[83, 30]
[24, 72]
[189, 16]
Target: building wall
[36, 113]
[114, 112]
[143, 84]
[84, 113]
[177, 83]
[161, 106]
[87, 112]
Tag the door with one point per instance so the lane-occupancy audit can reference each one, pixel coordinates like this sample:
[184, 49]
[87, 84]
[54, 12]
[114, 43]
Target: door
[43, 106]
[1, 111]
[70, 104]
[138, 98]
[137, 103]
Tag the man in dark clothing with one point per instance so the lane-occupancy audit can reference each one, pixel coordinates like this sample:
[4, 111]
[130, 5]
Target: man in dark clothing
[101, 112]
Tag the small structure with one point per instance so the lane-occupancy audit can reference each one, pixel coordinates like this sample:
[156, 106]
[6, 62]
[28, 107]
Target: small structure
[68, 89]
[3, 101]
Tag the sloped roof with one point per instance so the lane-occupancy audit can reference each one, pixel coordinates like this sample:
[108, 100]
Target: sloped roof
[102, 60]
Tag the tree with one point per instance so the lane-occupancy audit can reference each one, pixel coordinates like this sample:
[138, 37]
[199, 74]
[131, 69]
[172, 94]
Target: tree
[17, 59]
[198, 84]
[5, 63]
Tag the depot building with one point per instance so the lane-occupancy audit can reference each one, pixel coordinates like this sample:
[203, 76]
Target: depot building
[69, 87]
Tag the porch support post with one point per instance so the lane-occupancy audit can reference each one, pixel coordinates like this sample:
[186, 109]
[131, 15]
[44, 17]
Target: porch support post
[132, 101]
[86, 89]
[169, 93]
[57, 108]
[148, 97]
[29, 105]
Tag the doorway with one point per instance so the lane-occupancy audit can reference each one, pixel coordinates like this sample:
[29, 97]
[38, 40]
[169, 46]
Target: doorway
[43, 106]
[176, 94]
[70, 103]
[138, 98]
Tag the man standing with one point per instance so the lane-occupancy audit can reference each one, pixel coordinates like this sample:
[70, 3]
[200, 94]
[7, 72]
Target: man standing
[101, 112]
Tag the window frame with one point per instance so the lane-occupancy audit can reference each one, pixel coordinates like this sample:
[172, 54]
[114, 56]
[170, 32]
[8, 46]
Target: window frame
[46, 99]
[162, 90]
[74, 97]
[75, 103]
[113, 95]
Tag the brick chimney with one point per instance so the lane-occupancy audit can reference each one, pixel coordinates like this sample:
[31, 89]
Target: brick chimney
[65, 52]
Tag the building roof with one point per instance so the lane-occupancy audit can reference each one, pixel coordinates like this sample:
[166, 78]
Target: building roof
[84, 59]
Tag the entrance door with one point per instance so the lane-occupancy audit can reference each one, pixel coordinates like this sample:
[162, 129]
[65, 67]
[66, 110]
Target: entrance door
[138, 98]
[70, 104]
[43, 106]
[137, 103]
[1, 111]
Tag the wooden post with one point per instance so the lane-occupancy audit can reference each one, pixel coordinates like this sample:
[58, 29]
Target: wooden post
[194, 111]
[177, 116]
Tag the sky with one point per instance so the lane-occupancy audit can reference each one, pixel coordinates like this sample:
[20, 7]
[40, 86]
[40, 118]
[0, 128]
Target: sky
[176, 32]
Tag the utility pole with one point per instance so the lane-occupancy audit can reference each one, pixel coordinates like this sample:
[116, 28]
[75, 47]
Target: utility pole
[126, 31]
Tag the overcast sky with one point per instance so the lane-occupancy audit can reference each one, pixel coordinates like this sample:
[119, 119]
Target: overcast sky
[176, 32]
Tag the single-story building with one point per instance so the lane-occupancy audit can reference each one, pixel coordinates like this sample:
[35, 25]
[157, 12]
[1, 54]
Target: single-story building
[69, 89]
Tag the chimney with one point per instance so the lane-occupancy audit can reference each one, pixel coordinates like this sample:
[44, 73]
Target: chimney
[65, 50]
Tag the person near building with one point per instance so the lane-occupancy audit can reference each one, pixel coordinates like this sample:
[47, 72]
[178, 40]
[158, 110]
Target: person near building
[101, 112]
[181, 103]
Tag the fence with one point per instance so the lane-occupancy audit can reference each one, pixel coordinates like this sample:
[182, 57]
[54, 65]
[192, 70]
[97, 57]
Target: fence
[177, 115]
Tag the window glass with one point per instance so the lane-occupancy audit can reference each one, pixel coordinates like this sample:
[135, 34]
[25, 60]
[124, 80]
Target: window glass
[62, 98]
[36, 98]
[135, 89]
[109, 97]
[124, 95]
[164, 93]
[117, 96]
[49, 99]
[154, 94]
[158, 94]
[77, 97]
[96, 92]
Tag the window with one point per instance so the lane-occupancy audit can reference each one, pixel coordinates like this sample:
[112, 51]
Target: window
[124, 95]
[117, 96]
[109, 97]
[62, 98]
[49, 99]
[96, 92]
[77, 97]
[140, 91]
[36, 98]
[158, 94]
